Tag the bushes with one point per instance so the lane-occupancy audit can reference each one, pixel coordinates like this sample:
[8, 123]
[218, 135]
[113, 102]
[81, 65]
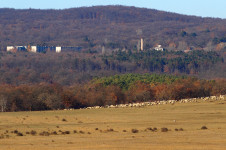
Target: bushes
[53, 96]
[20, 134]
[181, 129]
[64, 120]
[164, 129]
[81, 132]
[33, 132]
[98, 95]
[134, 130]
[204, 128]
[152, 129]
[44, 133]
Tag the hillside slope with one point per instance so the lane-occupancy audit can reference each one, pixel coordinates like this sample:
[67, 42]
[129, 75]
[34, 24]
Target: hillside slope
[112, 26]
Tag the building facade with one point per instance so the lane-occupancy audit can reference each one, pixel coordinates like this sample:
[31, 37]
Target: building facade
[43, 49]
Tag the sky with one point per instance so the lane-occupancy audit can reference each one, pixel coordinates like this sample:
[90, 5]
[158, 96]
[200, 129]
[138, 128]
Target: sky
[204, 8]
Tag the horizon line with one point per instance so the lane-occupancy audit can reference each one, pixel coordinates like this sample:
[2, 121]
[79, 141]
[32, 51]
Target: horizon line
[116, 5]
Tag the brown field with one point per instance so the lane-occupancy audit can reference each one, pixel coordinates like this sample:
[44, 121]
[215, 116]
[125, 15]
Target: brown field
[112, 128]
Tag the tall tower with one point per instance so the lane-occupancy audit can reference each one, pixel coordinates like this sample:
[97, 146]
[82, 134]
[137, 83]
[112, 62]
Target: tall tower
[103, 50]
[141, 44]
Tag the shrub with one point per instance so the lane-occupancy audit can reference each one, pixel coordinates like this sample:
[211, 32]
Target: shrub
[33, 132]
[64, 119]
[149, 129]
[181, 129]
[15, 131]
[134, 131]
[176, 129]
[75, 131]
[204, 128]
[54, 133]
[27, 132]
[44, 133]
[154, 129]
[164, 129]
[82, 132]
[110, 130]
[20, 134]
[124, 131]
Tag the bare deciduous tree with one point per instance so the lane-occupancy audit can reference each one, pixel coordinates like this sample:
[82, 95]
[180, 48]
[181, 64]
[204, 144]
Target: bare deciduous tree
[3, 103]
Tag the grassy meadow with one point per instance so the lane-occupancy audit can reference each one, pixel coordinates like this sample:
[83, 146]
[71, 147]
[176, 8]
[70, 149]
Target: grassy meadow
[118, 128]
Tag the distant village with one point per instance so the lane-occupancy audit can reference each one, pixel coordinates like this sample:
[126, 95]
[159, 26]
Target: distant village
[41, 49]
[59, 49]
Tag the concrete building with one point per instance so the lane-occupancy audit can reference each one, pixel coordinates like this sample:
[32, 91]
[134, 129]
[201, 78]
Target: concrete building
[187, 50]
[43, 49]
[58, 49]
[16, 48]
[159, 48]
[34, 49]
[10, 48]
[21, 48]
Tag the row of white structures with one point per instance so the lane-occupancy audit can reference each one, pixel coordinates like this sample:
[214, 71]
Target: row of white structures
[163, 102]
[33, 48]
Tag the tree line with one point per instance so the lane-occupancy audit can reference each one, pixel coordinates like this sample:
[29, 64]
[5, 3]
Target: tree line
[168, 61]
[106, 91]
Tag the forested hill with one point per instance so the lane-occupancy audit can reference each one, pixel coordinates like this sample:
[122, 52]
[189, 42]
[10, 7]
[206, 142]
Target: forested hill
[80, 67]
[111, 26]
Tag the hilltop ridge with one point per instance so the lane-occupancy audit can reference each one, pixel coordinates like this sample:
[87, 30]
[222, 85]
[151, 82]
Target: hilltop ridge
[111, 26]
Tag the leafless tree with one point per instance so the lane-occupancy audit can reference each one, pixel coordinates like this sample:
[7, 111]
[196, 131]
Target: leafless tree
[3, 103]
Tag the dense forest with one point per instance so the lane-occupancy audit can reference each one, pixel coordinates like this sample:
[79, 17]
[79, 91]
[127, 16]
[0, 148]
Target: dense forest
[50, 81]
[113, 90]
[115, 27]
[80, 67]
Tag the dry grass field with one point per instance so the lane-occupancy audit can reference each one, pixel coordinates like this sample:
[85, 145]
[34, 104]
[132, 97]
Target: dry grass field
[118, 128]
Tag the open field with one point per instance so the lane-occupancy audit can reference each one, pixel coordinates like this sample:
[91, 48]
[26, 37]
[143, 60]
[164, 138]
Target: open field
[118, 128]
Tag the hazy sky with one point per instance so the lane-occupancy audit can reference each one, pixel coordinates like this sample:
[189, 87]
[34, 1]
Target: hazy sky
[205, 8]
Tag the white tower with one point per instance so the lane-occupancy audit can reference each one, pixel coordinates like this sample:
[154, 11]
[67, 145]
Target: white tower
[141, 44]
[103, 50]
